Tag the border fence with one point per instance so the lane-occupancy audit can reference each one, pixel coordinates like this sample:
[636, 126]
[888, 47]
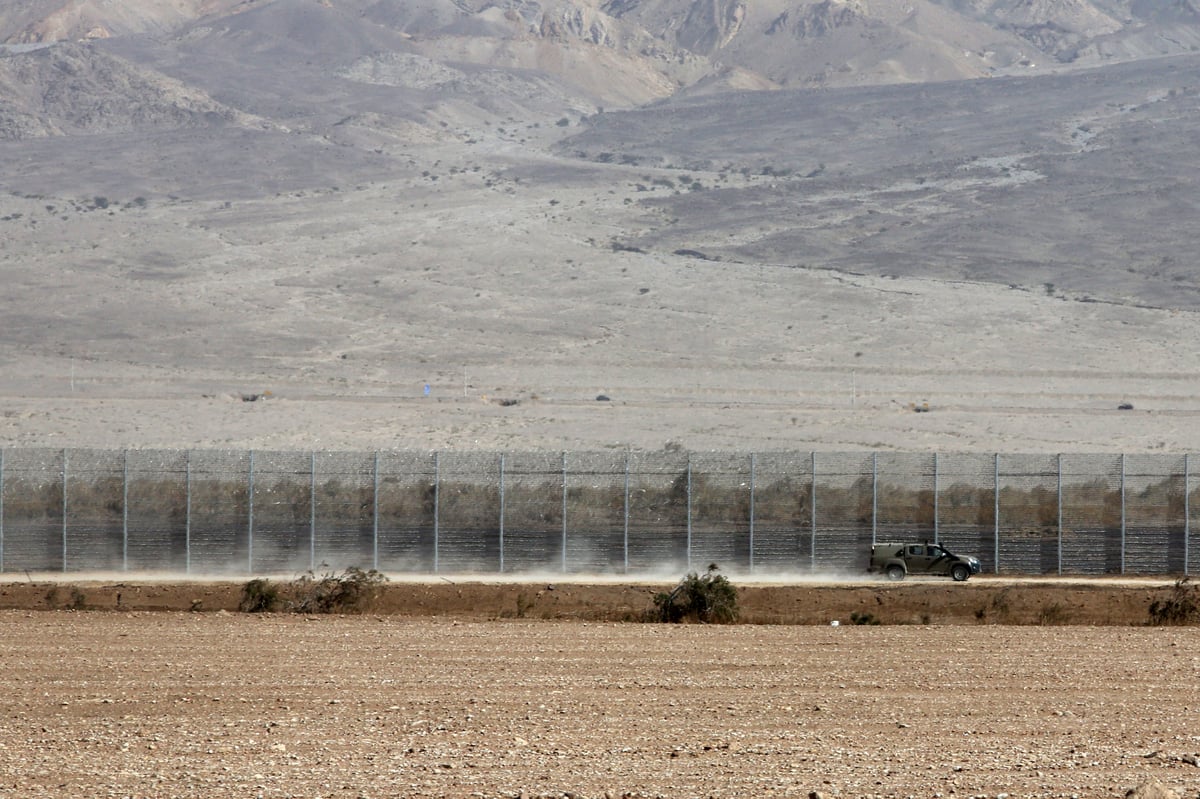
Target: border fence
[615, 512]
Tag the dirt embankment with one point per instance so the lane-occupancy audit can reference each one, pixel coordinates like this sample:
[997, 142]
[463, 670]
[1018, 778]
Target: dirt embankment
[981, 601]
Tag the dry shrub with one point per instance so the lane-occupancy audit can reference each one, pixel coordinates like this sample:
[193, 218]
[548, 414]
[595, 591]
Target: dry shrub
[1182, 606]
[707, 598]
[353, 591]
[259, 596]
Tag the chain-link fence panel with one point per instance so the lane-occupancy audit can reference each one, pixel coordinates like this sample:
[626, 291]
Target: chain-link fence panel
[283, 512]
[156, 510]
[783, 512]
[1091, 514]
[1191, 501]
[720, 509]
[1028, 502]
[219, 538]
[407, 502]
[95, 528]
[282, 532]
[595, 513]
[1154, 516]
[966, 505]
[31, 493]
[344, 511]
[845, 482]
[532, 485]
[658, 512]
[469, 512]
[904, 499]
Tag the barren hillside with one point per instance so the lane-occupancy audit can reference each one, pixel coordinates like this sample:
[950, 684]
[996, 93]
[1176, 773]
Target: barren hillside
[628, 51]
[586, 226]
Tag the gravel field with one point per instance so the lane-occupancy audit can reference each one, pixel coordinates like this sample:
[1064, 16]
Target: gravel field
[137, 704]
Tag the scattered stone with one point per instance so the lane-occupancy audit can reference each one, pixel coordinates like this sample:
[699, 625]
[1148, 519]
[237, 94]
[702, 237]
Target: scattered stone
[1151, 790]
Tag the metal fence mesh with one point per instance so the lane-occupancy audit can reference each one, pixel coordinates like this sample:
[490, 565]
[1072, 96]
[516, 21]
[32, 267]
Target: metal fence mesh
[532, 493]
[219, 512]
[469, 512]
[156, 495]
[1091, 515]
[843, 504]
[595, 513]
[1027, 498]
[344, 511]
[720, 511]
[966, 505]
[783, 490]
[32, 492]
[212, 511]
[658, 520]
[1154, 516]
[406, 502]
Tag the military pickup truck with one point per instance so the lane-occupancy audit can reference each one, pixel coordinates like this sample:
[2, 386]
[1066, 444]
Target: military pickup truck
[898, 560]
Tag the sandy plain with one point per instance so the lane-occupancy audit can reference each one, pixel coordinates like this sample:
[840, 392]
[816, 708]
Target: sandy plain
[344, 268]
[517, 344]
[153, 278]
[135, 704]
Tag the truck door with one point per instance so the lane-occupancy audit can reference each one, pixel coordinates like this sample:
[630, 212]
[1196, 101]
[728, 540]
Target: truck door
[917, 558]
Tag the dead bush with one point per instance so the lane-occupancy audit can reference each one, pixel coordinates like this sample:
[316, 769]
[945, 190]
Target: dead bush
[707, 598]
[353, 591]
[259, 596]
[1182, 606]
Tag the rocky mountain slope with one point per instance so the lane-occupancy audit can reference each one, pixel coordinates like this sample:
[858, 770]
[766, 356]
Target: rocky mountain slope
[554, 201]
[623, 52]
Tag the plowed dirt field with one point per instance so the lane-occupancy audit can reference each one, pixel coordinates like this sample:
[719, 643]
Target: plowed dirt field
[139, 703]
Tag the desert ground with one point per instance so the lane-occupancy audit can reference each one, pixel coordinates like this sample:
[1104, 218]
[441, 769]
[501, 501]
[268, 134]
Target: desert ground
[394, 249]
[366, 225]
[217, 704]
[799, 599]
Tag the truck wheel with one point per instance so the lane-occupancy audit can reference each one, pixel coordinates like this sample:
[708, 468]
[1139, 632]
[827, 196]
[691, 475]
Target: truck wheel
[960, 573]
[895, 573]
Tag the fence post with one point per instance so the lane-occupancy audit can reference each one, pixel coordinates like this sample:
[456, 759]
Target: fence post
[2, 510]
[752, 465]
[64, 509]
[1060, 516]
[125, 510]
[1122, 513]
[996, 510]
[874, 497]
[312, 509]
[937, 529]
[626, 513]
[689, 511]
[502, 513]
[564, 511]
[187, 512]
[375, 513]
[437, 508]
[812, 512]
[1187, 511]
[250, 515]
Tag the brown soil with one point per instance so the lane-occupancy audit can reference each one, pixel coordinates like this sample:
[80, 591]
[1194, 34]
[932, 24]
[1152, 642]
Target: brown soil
[169, 704]
[981, 601]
